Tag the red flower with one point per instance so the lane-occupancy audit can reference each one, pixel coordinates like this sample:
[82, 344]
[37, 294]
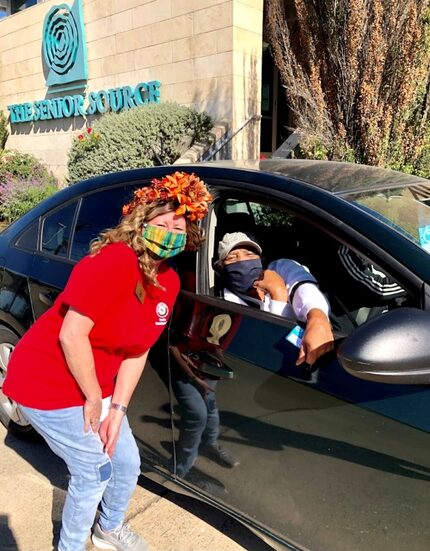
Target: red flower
[89, 130]
[80, 137]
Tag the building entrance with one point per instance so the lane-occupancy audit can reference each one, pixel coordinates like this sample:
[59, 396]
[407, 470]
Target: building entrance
[275, 114]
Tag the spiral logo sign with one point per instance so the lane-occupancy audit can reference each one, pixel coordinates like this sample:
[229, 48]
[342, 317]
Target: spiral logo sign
[64, 45]
[62, 40]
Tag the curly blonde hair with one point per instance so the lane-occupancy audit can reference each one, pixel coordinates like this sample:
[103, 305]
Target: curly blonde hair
[129, 231]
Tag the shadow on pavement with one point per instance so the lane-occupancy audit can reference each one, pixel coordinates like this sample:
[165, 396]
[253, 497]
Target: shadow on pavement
[219, 520]
[41, 458]
[50, 466]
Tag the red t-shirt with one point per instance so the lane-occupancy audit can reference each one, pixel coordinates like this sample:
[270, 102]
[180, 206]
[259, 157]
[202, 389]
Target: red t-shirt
[106, 288]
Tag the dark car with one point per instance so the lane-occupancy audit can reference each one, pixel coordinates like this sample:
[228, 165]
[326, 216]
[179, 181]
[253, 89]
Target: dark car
[333, 457]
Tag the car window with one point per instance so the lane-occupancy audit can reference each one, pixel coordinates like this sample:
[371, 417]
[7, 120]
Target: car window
[28, 238]
[56, 229]
[98, 212]
[406, 210]
[356, 288]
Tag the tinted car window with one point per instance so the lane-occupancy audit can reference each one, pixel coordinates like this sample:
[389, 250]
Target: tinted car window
[56, 230]
[98, 211]
[28, 238]
[405, 209]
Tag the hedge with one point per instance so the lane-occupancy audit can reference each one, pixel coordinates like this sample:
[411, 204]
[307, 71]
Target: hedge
[145, 136]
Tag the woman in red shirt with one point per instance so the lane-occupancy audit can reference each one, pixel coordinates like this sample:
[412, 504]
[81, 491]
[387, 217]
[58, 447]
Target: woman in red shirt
[74, 371]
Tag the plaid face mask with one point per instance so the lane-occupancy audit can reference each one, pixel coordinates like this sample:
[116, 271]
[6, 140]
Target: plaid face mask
[163, 243]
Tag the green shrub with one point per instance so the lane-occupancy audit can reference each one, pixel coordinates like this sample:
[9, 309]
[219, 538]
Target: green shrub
[24, 182]
[4, 134]
[22, 166]
[146, 136]
[18, 196]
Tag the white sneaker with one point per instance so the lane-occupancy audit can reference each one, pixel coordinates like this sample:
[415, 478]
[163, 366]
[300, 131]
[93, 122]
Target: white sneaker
[120, 539]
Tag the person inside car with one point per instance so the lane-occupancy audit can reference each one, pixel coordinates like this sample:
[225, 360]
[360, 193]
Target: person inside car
[285, 288]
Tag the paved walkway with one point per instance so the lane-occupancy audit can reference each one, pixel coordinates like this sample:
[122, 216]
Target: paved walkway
[32, 491]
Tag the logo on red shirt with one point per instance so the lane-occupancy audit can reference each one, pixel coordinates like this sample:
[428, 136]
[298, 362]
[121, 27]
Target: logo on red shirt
[162, 311]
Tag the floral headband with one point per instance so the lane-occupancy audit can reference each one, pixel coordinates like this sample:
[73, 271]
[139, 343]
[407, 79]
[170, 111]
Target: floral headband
[185, 189]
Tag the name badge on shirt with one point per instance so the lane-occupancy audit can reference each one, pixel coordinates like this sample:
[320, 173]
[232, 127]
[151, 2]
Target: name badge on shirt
[140, 292]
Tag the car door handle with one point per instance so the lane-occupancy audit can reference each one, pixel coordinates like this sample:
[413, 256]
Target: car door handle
[46, 298]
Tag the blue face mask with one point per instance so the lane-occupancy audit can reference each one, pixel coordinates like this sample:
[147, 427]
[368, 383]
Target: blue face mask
[240, 276]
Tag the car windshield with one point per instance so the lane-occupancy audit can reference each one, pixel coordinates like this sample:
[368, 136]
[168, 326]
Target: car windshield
[407, 209]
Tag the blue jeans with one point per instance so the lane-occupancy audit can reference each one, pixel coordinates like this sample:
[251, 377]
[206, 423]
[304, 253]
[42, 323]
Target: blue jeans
[94, 477]
[199, 422]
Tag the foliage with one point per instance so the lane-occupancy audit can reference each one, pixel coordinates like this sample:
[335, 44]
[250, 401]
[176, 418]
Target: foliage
[88, 140]
[22, 166]
[356, 76]
[3, 130]
[17, 196]
[146, 136]
[266, 215]
[24, 182]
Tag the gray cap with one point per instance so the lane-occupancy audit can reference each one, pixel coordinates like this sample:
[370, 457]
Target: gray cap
[234, 240]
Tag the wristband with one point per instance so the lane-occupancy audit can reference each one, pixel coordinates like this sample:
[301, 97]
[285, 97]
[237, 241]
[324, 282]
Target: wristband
[118, 407]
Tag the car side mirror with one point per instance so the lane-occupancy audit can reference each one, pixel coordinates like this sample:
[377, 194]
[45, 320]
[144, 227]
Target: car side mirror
[392, 348]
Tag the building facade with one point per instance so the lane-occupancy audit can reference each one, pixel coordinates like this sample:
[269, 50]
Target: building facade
[61, 68]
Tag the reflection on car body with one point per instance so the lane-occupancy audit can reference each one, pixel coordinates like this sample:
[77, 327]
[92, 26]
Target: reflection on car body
[329, 464]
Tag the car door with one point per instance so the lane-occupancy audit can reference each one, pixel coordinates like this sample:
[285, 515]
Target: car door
[327, 461]
[15, 304]
[51, 265]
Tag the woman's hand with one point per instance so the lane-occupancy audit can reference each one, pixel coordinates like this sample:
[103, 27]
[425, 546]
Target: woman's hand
[126, 380]
[109, 430]
[92, 413]
[202, 386]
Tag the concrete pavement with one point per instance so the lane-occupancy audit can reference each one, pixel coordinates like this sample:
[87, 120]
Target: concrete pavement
[32, 491]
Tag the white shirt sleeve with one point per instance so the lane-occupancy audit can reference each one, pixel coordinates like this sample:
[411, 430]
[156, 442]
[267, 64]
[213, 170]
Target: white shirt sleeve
[306, 297]
[276, 306]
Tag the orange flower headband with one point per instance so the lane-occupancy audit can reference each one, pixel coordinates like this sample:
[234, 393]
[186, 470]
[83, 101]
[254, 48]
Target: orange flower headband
[185, 189]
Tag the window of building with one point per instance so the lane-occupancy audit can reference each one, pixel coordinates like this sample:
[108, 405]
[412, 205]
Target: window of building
[4, 8]
[19, 5]
[9, 7]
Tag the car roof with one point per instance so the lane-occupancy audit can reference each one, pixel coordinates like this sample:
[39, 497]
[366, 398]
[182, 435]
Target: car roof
[336, 177]
[341, 179]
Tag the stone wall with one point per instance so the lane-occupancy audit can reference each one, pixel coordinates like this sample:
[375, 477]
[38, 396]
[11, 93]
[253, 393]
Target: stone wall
[205, 53]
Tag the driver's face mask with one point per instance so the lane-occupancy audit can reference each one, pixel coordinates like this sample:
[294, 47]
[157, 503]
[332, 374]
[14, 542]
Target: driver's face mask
[240, 276]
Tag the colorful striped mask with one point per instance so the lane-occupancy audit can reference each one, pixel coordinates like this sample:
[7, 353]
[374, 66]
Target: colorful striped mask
[163, 243]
